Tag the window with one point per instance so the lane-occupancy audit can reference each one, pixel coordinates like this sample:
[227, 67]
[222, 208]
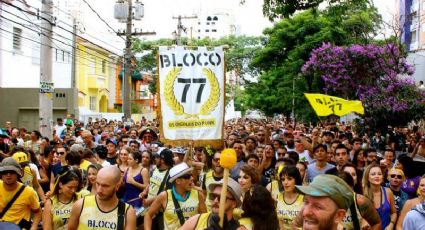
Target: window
[209, 18]
[93, 103]
[17, 38]
[207, 30]
[208, 23]
[144, 92]
[59, 56]
[66, 56]
[92, 65]
[414, 33]
[215, 18]
[212, 23]
[103, 66]
[213, 30]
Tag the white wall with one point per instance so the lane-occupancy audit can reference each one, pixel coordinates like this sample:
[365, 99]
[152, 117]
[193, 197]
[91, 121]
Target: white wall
[417, 59]
[21, 68]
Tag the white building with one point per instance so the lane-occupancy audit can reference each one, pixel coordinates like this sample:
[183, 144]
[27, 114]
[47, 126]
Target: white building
[216, 24]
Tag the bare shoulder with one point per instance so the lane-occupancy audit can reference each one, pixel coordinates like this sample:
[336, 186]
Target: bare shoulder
[190, 223]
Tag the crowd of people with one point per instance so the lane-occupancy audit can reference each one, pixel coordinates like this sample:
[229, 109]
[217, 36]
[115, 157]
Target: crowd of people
[119, 175]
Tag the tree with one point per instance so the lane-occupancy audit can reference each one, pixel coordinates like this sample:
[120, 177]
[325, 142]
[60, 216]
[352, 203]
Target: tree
[378, 75]
[239, 52]
[287, 48]
[274, 9]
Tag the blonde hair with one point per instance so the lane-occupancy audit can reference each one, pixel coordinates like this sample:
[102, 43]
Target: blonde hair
[365, 180]
[392, 170]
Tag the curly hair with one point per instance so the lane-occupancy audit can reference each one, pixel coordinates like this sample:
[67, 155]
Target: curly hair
[259, 206]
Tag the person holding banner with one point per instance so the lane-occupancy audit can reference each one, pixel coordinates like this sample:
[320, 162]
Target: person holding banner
[211, 219]
[180, 202]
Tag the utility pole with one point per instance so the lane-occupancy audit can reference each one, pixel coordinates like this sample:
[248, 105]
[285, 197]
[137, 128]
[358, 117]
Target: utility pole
[128, 55]
[74, 108]
[180, 27]
[46, 84]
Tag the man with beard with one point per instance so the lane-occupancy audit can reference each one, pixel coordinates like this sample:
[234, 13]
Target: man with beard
[371, 156]
[261, 137]
[26, 203]
[326, 201]
[180, 202]
[213, 175]
[250, 145]
[211, 219]
[103, 210]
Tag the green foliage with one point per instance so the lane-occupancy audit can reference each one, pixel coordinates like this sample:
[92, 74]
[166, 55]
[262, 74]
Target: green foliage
[287, 48]
[239, 52]
[276, 9]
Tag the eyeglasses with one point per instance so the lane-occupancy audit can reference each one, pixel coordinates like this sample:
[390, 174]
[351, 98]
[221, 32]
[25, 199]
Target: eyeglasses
[216, 159]
[60, 153]
[186, 176]
[213, 196]
[394, 176]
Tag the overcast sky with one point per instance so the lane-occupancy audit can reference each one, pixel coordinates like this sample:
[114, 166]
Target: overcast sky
[159, 13]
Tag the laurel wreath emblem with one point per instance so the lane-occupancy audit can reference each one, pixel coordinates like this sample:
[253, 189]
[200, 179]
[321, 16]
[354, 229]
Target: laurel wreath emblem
[178, 108]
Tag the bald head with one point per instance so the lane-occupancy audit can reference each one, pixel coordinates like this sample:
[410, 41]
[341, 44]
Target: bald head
[111, 173]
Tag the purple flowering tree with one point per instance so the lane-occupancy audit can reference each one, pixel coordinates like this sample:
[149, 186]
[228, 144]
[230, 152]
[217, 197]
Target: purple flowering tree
[378, 75]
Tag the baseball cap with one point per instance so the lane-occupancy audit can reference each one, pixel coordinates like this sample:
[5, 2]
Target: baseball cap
[329, 186]
[178, 171]
[10, 164]
[111, 141]
[232, 186]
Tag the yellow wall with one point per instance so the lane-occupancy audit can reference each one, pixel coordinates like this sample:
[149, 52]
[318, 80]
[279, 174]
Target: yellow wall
[92, 79]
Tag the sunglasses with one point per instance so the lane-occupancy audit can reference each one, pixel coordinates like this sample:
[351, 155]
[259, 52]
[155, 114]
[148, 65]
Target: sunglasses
[394, 176]
[213, 196]
[186, 176]
[60, 153]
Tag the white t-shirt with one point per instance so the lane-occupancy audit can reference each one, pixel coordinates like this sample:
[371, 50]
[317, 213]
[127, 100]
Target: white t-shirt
[307, 157]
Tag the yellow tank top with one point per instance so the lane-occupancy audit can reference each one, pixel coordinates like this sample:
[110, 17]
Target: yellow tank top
[347, 222]
[27, 177]
[60, 213]
[188, 207]
[155, 182]
[246, 222]
[202, 222]
[286, 213]
[274, 187]
[92, 218]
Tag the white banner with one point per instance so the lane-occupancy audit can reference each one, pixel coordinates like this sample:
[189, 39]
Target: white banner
[191, 86]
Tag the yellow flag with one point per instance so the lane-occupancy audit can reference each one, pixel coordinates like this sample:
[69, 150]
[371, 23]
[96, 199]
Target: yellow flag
[325, 105]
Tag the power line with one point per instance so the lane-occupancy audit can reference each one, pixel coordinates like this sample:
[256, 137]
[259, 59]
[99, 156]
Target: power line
[31, 13]
[84, 57]
[72, 46]
[101, 18]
